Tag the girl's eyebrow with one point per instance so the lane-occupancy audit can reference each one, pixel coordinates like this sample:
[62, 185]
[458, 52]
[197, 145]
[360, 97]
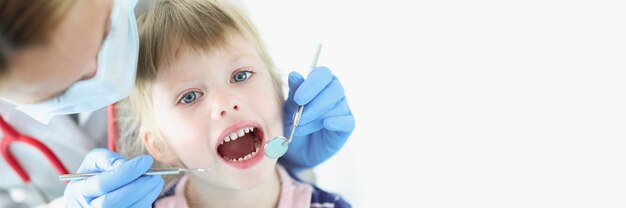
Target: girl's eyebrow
[175, 88]
[244, 57]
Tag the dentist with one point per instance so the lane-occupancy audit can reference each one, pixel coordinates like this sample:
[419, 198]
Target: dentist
[60, 57]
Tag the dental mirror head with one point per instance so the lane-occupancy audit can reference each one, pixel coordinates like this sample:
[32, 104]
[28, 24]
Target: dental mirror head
[275, 148]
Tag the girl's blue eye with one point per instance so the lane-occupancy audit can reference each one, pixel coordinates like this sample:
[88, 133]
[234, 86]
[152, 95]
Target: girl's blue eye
[189, 97]
[241, 76]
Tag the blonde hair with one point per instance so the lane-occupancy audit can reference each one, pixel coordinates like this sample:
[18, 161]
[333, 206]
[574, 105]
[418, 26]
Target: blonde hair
[168, 28]
[25, 23]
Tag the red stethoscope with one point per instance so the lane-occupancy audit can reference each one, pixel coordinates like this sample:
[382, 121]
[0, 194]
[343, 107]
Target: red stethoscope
[10, 136]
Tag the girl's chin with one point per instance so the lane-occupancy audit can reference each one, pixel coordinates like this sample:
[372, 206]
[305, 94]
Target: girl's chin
[240, 179]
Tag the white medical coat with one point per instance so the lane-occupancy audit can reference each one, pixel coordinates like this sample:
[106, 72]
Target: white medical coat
[70, 141]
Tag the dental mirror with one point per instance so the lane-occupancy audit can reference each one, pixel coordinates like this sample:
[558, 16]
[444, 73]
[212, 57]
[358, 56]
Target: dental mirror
[277, 146]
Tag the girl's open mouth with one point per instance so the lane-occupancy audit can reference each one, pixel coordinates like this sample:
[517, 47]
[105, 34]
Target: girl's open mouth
[242, 146]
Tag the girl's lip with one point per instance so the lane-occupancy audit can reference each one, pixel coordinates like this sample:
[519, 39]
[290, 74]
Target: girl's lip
[233, 128]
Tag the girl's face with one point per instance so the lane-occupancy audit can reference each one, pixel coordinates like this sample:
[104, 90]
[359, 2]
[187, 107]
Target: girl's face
[219, 107]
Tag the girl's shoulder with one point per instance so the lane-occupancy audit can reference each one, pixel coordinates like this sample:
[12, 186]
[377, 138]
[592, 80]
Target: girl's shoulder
[319, 197]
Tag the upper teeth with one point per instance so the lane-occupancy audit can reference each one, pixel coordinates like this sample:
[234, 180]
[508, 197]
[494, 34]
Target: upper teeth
[237, 134]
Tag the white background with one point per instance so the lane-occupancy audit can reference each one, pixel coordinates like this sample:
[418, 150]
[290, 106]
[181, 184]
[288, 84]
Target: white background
[468, 103]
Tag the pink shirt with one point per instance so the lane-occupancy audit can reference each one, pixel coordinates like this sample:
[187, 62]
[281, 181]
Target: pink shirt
[292, 193]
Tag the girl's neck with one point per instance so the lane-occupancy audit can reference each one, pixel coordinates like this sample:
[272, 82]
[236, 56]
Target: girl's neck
[202, 195]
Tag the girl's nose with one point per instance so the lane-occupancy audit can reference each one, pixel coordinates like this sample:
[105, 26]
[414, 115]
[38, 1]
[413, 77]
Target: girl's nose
[228, 110]
[224, 104]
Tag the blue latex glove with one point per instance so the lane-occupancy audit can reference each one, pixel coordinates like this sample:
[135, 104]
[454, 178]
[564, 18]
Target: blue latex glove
[325, 124]
[119, 185]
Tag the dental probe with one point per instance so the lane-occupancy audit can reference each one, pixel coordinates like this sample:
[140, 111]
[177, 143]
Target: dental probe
[164, 171]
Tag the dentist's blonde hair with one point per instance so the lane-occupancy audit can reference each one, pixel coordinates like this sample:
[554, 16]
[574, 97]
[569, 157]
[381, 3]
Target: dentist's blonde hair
[166, 29]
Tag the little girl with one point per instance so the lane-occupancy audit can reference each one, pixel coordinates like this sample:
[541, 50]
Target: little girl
[207, 96]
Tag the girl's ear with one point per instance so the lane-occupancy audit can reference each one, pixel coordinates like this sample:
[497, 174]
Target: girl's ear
[158, 149]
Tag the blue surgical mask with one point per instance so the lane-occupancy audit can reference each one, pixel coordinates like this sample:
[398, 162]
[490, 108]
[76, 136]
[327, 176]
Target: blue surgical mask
[115, 76]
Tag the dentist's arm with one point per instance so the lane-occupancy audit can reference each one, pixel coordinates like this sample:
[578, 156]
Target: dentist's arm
[121, 183]
[326, 123]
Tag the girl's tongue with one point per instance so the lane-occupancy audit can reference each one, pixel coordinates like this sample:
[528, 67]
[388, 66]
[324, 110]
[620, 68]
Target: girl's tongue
[239, 148]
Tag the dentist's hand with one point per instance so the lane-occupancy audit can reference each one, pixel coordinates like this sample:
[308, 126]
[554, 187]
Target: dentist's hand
[119, 185]
[326, 123]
